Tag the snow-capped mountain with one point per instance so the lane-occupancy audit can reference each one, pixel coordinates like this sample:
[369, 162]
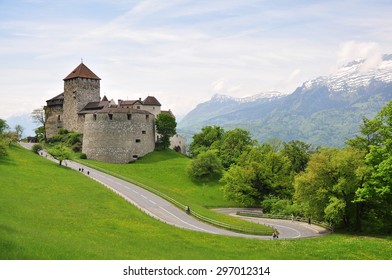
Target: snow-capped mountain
[323, 111]
[356, 74]
[269, 95]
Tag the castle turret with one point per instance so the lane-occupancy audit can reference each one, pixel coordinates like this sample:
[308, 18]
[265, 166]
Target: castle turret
[81, 86]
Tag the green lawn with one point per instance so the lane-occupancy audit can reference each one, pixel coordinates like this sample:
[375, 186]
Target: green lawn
[166, 171]
[51, 212]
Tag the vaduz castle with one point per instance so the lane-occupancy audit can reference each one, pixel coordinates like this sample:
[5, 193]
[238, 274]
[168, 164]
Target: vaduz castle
[116, 133]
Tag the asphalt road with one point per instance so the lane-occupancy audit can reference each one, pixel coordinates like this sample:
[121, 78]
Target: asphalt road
[164, 211]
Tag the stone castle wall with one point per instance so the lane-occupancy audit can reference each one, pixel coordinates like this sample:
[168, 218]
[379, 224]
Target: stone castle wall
[77, 93]
[54, 120]
[119, 137]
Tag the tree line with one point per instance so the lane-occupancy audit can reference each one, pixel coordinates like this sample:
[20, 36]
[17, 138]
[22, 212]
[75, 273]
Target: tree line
[348, 187]
[8, 136]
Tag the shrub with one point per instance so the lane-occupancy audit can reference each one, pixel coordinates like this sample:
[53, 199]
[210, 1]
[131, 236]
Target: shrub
[206, 165]
[83, 156]
[37, 148]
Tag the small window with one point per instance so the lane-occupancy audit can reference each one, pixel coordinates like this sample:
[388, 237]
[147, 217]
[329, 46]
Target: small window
[138, 107]
[58, 118]
[129, 117]
[135, 156]
[147, 117]
[110, 116]
[137, 140]
[95, 117]
[143, 132]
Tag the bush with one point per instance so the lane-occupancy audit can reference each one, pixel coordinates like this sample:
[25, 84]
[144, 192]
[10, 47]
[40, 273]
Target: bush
[83, 156]
[206, 165]
[277, 206]
[37, 148]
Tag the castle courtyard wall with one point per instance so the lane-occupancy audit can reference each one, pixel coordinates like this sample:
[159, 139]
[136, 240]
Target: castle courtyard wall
[118, 137]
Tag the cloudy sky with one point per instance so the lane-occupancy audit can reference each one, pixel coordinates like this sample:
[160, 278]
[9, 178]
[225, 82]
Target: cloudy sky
[181, 51]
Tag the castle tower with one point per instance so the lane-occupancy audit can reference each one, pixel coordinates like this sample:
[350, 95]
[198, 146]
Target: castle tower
[81, 86]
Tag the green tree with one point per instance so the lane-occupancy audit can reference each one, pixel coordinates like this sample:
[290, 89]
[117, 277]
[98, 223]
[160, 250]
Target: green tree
[259, 172]
[208, 138]
[3, 143]
[326, 190]
[206, 166]
[166, 128]
[298, 153]
[60, 152]
[3, 126]
[376, 192]
[39, 116]
[40, 133]
[233, 144]
[19, 131]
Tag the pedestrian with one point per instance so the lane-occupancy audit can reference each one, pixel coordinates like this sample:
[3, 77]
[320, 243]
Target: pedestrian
[292, 217]
[82, 169]
[79, 170]
[88, 172]
[309, 221]
[187, 209]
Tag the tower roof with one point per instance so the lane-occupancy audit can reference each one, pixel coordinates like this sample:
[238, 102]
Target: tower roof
[151, 100]
[82, 71]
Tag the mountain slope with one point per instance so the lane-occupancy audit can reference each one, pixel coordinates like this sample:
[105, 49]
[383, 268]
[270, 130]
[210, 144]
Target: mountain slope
[324, 111]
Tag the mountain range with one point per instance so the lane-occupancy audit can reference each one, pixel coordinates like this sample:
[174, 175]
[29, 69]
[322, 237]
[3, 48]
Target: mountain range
[324, 111]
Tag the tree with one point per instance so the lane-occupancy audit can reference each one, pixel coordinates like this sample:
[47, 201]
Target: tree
[3, 143]
[298, 153]
[375, 195]
[40, 133]
[208, 138]
[3, 126]
[206, 165]
[326, 190]
[19, 131]
[166, 128]
[60, 152]
[39, 116]
[260, 172]
[233, 143]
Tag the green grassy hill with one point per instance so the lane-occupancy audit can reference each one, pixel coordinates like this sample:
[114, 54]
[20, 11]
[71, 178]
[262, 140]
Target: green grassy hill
[52, 212]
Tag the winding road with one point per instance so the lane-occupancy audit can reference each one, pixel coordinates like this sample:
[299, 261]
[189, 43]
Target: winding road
[164, 211]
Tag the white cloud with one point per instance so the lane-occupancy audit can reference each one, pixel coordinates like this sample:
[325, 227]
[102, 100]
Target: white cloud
[352, 50]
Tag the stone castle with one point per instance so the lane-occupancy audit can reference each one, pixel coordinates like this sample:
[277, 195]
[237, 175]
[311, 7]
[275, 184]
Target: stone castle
[112, 132]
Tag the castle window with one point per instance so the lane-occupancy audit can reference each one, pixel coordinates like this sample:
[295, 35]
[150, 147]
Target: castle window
[138, 107]
[137, 140]
[95, 117]
[135, 156]
[58, 118]
[129, 117]
[147, 117]
[143, 132]
[110, 116]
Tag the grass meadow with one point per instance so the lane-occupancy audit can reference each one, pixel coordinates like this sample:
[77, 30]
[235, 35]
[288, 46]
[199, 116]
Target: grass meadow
[51, 212]
[166, 171]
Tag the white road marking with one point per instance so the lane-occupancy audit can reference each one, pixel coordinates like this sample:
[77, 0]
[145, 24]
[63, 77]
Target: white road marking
[152, 202]
[184, 221]
[145, 197]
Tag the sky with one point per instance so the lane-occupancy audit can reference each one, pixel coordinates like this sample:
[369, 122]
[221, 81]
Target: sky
[181, 51]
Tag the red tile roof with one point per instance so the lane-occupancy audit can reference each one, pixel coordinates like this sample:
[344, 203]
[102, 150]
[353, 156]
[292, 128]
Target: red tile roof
[82, 71]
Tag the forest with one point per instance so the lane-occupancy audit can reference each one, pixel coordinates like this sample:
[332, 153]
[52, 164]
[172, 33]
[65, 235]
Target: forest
[348, 187]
